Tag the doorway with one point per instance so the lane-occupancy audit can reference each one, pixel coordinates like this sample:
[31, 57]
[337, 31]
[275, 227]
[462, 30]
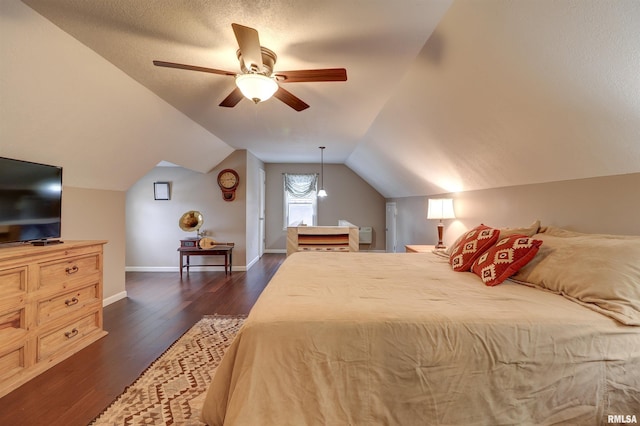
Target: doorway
[390, 227]
[261, 215]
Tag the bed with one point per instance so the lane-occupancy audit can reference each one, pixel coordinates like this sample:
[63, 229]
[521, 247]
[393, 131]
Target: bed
[402, 339]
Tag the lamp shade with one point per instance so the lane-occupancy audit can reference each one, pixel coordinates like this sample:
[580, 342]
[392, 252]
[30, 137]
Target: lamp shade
[256, 87]
[440, 208]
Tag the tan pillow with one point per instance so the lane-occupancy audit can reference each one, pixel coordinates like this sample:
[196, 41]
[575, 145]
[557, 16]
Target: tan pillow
[601, 272]
[528, 231]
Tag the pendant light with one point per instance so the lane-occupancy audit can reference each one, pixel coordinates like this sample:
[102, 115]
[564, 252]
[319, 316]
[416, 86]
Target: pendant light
[322, 192]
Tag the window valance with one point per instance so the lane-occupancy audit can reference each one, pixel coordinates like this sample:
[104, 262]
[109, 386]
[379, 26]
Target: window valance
[300, 185]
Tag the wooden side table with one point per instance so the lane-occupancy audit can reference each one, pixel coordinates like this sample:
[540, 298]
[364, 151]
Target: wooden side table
[419, 248]
[217, 250]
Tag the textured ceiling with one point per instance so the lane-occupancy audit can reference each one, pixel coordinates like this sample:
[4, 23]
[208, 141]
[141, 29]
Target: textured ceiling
[441, 96]
[375, 40]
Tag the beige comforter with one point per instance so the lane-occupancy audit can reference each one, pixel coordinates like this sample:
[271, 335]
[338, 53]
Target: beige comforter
[401, 339]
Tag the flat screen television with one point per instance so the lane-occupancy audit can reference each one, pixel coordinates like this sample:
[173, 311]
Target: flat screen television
[30, 201]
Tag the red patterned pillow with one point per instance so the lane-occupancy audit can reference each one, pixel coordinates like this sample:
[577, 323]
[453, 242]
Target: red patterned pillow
[472, 246]
[505, 258]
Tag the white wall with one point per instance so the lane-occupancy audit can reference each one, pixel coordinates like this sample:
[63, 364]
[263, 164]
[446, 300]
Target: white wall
[607, 205]
[152, 227]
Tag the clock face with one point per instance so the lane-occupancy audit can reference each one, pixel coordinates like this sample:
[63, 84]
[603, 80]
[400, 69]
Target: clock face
[227, 180]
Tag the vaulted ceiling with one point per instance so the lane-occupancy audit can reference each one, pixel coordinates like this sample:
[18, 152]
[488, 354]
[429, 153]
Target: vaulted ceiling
[441, 95]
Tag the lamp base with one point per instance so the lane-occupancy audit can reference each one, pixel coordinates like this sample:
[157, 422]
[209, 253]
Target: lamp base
[440, 244]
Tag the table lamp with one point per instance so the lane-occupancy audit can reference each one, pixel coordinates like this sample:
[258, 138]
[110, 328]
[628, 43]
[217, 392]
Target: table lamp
[440, 208]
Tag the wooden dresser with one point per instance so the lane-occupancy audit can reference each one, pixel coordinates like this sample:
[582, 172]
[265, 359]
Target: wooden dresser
[50, 306]
[322, 238]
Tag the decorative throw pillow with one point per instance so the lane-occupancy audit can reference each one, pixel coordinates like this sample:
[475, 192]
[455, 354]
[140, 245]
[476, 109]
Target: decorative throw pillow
[469, 248]
[505, 258]
[528, 231]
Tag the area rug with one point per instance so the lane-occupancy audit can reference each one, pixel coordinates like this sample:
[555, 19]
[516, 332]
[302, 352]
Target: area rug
[171, 391]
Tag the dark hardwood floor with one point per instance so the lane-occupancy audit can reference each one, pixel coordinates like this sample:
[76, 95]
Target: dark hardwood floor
[158, 310]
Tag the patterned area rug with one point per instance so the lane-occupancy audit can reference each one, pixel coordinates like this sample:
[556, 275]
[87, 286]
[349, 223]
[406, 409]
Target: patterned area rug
[171, 391]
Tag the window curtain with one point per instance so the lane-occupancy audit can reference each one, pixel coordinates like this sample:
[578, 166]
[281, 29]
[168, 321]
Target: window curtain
[300, 185]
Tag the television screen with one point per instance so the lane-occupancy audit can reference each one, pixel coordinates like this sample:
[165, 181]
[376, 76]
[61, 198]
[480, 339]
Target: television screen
[30, 201]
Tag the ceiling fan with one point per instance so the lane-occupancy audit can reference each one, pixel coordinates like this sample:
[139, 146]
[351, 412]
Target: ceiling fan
[257, 80]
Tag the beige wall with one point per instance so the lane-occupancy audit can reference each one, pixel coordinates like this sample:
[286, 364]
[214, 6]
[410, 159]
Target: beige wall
[84, 113]
[152, 227]
[600, 205]
[92, 214]
[350, 198]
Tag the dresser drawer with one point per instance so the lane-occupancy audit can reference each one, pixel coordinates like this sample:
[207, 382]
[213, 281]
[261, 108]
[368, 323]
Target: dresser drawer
[324, 248]
[13, 281]
[13, 319]
[68, 337]
[67, 303]
[56, 274]
[12, 362]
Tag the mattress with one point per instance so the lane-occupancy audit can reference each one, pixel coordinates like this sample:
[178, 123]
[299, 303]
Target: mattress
[401, 339]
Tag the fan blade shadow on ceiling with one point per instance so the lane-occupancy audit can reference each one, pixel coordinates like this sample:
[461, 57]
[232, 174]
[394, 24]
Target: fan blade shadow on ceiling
[122, 17]
[373, 45]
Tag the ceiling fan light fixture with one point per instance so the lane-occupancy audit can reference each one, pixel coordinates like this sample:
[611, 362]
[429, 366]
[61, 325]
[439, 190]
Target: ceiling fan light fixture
[256, 87]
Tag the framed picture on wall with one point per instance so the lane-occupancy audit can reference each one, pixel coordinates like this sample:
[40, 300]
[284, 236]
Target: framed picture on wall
[161, 191]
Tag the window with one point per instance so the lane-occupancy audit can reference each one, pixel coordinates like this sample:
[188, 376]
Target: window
[300, 199]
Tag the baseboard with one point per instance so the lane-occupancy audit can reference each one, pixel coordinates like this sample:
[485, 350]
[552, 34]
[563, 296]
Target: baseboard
[278, 251]
[152, 269]
[176, 269]
[253, 262]
[112, 299]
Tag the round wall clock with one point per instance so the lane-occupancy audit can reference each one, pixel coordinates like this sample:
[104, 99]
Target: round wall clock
[228, 181]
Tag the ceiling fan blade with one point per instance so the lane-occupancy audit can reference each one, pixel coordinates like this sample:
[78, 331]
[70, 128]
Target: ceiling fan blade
[192, 68]
[329, 74]
[232, 100]
[249, 44]
[290, 99]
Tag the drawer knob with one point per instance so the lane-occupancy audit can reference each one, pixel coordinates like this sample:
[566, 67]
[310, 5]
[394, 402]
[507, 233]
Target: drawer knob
[72, 270]
[72, 333]
[71, 302]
